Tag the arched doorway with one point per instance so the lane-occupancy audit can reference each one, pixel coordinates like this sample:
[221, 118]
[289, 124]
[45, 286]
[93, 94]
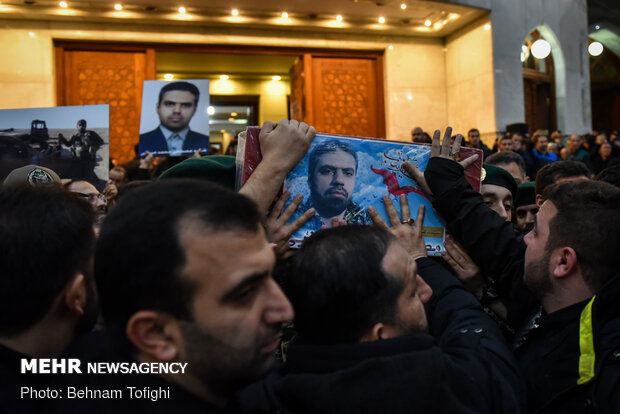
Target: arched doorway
[538, 87]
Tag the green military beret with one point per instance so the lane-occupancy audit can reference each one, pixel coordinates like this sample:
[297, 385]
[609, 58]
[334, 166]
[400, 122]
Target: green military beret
[499, 176]
[34, 175]
[525, 195]
[219, 169]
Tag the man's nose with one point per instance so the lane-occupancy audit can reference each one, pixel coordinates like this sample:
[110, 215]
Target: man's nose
[279, 309]
[337, 178]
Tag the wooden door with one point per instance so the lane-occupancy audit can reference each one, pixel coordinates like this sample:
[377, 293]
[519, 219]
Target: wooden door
[113, 77]
[339, 95]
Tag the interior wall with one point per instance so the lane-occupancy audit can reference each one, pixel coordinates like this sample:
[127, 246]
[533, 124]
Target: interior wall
[469, 80]
[414, 69]
[27, 69]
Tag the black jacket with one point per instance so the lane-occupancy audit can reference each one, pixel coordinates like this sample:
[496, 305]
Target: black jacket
[570, 361]
[464, 367]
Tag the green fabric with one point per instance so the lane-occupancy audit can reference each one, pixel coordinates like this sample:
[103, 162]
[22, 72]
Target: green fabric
[215, 168]
[499, 176]
[525, 195]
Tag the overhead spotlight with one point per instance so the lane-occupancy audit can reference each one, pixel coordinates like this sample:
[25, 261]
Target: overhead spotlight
[541, 49]
[276, 78]
[235, 12]
[63, 4]
[224, 77]
[595, 48]
[427, 23]
[168, 76]
[182, 10]
[381, 19]
[284, 15]
[390, 47]
[597, 27]
[403, 6]
[339, 17]
[118, 7]
[31, 34]
[234, 114]
[210, 110]
[487, 26]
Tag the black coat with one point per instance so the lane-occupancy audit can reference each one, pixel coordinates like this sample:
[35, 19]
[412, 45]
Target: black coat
[463, 367]
[550, 355]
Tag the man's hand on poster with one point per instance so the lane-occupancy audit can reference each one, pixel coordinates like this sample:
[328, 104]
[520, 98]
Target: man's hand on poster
[147, 161]
[407, 230]
[110, 192]
[285, 143]
[276, 227]
[465, 269]
[442, 150]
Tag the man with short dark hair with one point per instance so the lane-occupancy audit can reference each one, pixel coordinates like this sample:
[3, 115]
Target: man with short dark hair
[374, 337]
[504, 144]
[332, 167]
[540, 148]
[473, 141]
[176, 106]
[525, 208]
[556, 172]
[571, 255]
[195, 267]
[118, 176]
[46, 284]
[511, 162]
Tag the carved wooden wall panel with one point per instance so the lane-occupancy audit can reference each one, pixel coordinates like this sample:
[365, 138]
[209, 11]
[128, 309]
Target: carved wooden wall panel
[296, 104]
[113, 78]
[345, 97]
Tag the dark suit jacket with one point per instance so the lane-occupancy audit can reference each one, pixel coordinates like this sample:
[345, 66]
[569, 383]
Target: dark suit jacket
[154, 141]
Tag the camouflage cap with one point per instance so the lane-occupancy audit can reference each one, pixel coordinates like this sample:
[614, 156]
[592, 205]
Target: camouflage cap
[34, 175]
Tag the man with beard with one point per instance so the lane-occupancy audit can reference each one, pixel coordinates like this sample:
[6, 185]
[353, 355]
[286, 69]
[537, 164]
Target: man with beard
[332, 168]
[374, 337]
[569, 264]
[195, 270]
[46, 287]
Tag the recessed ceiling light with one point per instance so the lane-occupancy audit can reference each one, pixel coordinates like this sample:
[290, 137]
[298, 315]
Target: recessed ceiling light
[118, 7]
[403, 6]
[427, 23]
[235, 12]
[31, 34]
[597, 27]
[390, 47]
[595, 48]
[487, 26]
[276, 78]
[182, 10]
[63, 4]
[168, 76]
[339, 17]
[381, 19]
[231, 119]
[233, 114]
[210, 110]
[224, 77]
[284, 15]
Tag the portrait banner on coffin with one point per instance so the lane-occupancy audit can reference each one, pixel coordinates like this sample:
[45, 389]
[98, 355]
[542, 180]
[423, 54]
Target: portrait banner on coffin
[73, 141]
[342, 176]
[174, 119]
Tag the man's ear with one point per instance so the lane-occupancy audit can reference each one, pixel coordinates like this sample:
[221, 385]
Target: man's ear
[75, 295]
[563, 262]
[539, 200]
[379, 331]
[155, 335]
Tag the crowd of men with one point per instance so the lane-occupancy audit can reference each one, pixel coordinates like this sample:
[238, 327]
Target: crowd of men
[518, 315]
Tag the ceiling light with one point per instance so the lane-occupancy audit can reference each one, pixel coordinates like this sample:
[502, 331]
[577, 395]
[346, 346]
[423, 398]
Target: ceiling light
[276, 78]
[210, 110]
[224, 77]
[444, 22]
[233, 114]
[427, 23]
[487, 26]
[182, 10]
[403, 6]
[231, 119]
[31, 34]
[235, 12]
[595, 48]
[381, 19]
[284, 15]
[597, 27]
[168, 76]
[63, 4]
[118, 7]
[541, 49]
[390, 47]
[339, 18]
